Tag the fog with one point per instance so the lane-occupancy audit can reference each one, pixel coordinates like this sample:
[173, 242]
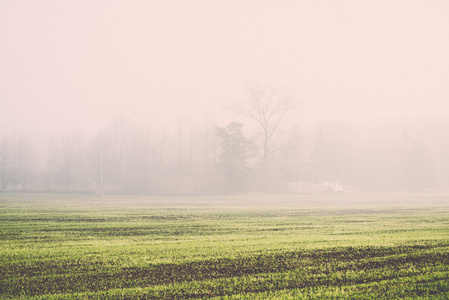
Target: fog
[144, 96]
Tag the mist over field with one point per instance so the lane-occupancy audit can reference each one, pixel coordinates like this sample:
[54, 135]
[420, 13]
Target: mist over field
[208, 97]
[200, 149]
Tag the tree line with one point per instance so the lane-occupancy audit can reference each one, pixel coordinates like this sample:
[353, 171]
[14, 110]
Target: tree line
[202, 158]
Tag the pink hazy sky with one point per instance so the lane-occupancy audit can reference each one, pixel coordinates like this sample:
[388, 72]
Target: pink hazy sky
[75, 65]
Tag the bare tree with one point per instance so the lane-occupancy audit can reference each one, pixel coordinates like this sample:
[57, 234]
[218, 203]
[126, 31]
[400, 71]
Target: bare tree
[50, 163]
[208, 146]
[69, 152]
[179, 153]
[206, 152]
[267, 106]
[97, 156]
[24, 159]
[148, 162]
[15, 162]
[4, 161]
[190, 164]
[123, 137]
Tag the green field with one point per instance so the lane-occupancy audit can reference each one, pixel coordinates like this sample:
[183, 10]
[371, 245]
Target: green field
[229, 247]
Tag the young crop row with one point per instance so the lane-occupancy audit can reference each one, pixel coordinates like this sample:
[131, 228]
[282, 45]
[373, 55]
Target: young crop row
[225, 277]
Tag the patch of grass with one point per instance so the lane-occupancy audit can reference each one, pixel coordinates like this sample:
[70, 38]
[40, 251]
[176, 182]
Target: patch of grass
[77, 248]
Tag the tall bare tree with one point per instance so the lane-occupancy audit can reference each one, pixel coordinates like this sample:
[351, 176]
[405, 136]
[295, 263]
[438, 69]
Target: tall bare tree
[4, 162]
[123, 136]
[206, 153]
[147, 160]
[24, 159]
[50, 163]
[268, 107]
[69, 153]
[15, 162]
[180, 132]
[97, 156]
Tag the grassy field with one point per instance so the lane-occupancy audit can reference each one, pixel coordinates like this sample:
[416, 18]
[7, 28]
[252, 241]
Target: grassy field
[225, 247]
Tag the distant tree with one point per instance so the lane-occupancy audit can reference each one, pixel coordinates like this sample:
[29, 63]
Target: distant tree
[15, 162]
[51, 159]
[123, 137]
[209, 150]
[190, 162]
[268, 107]
[180, 134]
[233, 160]
[69, 153]
[98, 154]
[160, 164]
[147, 161]
[206, 143]
[23, 157]
[5, 153]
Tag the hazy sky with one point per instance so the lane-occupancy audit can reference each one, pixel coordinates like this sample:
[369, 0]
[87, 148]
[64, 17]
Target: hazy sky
[73, 65]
